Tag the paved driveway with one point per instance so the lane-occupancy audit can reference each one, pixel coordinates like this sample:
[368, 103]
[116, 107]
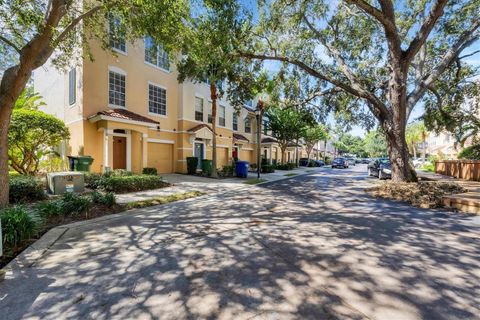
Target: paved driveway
[311, 247]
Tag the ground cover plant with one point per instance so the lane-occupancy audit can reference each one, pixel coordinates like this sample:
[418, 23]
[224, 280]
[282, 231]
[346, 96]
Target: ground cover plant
[427, 194]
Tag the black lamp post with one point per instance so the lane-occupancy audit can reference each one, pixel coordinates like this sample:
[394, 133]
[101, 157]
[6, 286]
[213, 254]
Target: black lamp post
[258, 115]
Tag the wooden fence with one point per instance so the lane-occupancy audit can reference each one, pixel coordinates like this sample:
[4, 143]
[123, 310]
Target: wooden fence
[462, 169]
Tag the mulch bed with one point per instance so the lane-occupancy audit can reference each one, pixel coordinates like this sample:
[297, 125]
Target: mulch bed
[426, 194]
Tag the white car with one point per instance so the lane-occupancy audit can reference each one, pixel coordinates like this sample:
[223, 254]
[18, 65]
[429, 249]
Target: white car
[419, 162]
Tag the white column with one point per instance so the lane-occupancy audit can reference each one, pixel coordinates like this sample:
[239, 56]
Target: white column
[129, 151]
[271, 154]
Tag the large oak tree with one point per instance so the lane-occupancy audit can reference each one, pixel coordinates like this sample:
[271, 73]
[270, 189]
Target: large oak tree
[385, 56]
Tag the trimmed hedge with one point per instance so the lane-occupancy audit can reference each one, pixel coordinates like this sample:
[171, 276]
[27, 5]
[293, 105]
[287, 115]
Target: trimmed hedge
[286, 166]
[268, 168]
[122, 184]
[150, 171]
[92, 180]
[25, 189]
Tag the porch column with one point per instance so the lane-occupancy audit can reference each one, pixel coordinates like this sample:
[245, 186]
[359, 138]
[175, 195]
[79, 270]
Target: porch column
[107, 149]
[145, 150]
[271, 151]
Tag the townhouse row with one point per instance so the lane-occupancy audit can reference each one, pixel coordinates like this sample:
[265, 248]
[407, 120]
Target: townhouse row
[128, 111]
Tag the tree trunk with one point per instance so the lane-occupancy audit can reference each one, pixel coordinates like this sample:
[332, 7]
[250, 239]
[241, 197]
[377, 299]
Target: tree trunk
[213, 96]
[283, 149]
[402, 171]
[325, 152]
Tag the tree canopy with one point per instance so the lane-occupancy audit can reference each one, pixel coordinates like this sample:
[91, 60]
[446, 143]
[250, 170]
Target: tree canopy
[379, 58]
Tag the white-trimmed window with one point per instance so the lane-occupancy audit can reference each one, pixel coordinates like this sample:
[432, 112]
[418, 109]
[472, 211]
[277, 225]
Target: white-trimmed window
[248, 125]
[116, 33]
[116, 89]
[198, 109]
[221, 116]
[209, 112]
[155, 54]
[72, 86]
[235, 122]
[157, 100]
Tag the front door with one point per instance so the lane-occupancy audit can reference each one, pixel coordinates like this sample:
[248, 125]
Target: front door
[119, 153]
[199, 149]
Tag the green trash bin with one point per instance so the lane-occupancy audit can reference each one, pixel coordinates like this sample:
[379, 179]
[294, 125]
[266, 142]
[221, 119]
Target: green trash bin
[83, 163]
[207, 167]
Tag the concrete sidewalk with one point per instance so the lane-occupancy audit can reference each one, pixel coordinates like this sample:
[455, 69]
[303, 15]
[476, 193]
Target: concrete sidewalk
[181, 183]
[466, 202]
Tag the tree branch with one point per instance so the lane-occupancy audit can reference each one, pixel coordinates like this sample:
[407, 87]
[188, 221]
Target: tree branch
[425, 30]
[467, 38]
[73, 24]
[9, 43]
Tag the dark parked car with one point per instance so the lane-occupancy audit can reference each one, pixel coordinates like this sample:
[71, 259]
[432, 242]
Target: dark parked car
[303, 162]
[320, 163]
[380, 168]
[340, 163]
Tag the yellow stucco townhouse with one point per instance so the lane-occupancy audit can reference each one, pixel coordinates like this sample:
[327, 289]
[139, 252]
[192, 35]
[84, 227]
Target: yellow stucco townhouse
[128, 111]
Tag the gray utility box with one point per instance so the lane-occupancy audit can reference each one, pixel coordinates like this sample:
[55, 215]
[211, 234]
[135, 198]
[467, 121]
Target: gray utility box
[61, 182]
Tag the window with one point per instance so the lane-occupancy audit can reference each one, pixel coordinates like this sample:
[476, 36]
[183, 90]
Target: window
[235, 122]
[155, 54]
[157, 100]
[116, 92]
[221, 117]
[265, 126]
[248, 126]
[198, 109]
[209, 113]
[72, 86]
[249, 103]
[116, 34]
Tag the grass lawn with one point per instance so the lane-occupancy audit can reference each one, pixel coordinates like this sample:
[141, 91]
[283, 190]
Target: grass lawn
[290, 174]
[162, 200]
[254, 181]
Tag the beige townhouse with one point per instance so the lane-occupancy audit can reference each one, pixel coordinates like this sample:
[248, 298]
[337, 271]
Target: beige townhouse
[128, 111]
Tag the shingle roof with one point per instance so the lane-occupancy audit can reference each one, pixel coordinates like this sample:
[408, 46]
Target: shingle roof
[198, 127]
[268, 140]
[125, 115]
[237, 136]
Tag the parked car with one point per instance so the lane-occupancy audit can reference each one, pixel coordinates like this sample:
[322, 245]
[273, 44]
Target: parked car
[320, 163]
[418, 162]
[366, 161]
[303, 162]
[351, 161]
[380, 168]
[340, 163]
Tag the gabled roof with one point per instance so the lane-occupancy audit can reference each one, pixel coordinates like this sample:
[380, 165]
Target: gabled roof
[237, 136]
[122, 115]
[199, 127]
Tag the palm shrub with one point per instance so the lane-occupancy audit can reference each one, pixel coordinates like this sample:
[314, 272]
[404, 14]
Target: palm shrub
[17, 226]
[192, 164]
[108, 199]
[50, 209]
[25, 189]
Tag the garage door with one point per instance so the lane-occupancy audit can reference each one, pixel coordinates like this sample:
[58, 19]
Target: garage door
[160, 156]
[246, 155]
[222, 157]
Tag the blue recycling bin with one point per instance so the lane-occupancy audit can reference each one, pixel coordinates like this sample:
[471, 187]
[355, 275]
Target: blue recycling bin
[241, 169]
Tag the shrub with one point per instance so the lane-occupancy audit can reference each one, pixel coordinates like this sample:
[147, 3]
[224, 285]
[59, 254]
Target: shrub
[17, 226]
[119, 184]
[150, 171]
[119, 173]
[73, 203]
[107, 199]
[227, 171]
[192, 164]
[26, 189]
[92, 180]
[470, 153]
[268, 168]
[50, 209]
[286, 166]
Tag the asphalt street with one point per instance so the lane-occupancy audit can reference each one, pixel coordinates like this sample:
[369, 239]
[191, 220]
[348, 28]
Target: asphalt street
[311, 247]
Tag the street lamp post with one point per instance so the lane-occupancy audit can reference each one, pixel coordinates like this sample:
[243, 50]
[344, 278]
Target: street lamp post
[258, 114]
